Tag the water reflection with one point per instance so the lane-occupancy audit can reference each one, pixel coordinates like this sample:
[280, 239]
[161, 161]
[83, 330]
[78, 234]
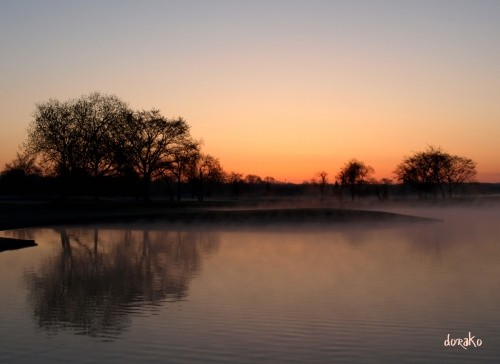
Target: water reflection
[97, 279]
[353, 293]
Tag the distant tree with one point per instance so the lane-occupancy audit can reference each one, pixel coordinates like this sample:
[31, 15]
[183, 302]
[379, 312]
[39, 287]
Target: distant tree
[321, 180]
[424, 170]
[253, 184]
[353, 174]
[25, 163]
[253, 179]
[236, 182]
[435, 169]
[18, 176]
[184, 154]
[150, 140]
[269, 183]
[205, 172]
[459, 171]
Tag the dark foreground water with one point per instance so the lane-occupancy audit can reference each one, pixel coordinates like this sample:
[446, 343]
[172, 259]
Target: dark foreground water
[187, 294]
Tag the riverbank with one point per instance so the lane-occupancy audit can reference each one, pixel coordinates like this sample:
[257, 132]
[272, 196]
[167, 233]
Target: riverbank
[17, 213]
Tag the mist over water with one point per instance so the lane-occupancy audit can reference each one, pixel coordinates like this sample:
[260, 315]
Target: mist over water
[157, 292]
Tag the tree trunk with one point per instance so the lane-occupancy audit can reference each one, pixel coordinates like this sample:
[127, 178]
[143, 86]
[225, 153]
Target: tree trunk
[146, 182]
[96, 187]
[200, 192]
[178, 188]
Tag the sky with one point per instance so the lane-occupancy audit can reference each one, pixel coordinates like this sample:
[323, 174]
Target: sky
[280, 88]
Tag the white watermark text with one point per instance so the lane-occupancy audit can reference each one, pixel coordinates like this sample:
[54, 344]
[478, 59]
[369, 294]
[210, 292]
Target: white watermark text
[465, 342]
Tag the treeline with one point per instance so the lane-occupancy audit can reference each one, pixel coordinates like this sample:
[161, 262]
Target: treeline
[97, 145]
[429, 173]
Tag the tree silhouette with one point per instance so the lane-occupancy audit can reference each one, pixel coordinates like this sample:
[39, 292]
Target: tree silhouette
[98, 136]
[321, 180]
[149, 144]
[184, 154]
[77, 136]
[353, 174]
[100, 119]
[24, 163]
[204, 173]
[20, 175]
[236, 182]
[253, 179]
[54, 135]
[269, 183]
[459, 171]
[435, 169]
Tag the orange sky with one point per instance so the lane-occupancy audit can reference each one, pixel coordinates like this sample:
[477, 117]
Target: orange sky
[282, 88]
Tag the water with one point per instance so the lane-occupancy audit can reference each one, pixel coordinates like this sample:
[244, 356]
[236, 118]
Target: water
[153, 292]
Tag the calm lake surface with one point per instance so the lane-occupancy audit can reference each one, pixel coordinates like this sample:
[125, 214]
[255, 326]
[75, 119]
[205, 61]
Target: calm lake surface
[154, 292]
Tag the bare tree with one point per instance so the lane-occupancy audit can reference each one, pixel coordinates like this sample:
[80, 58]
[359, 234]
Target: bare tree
[150, 141]
[459, 171]
[54, 135]
[24, 163]
[204, 173]
[184, 154]
[353, 174]
[253, 179]
[20, 176]
[435, 169]
[321, 181]
[235, 181]
[100, 120]
[77, 136]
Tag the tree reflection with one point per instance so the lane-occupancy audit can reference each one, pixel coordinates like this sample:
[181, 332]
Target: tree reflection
[92, 285]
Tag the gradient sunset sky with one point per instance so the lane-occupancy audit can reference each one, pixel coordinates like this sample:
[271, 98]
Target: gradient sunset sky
[274, 88]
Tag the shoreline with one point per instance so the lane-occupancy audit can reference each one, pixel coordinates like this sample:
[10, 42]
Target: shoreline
[27, 214]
